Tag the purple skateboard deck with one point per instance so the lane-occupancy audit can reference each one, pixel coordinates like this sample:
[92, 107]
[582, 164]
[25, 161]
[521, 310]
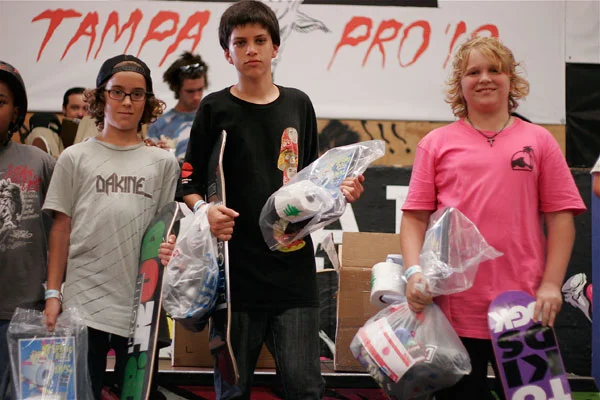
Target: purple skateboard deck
[527, 353]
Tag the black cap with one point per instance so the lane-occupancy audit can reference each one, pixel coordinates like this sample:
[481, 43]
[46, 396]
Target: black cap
[108, 69]
[45, 120]
[12, 77]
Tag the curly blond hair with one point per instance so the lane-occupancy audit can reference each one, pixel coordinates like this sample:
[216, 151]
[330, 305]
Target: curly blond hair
[501, 56]
[96, 99]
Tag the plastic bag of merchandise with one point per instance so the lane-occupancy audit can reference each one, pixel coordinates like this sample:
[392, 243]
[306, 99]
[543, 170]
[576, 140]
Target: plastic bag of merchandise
[411, 355]
[452, 251]
[312, 198]
[49, 365]
[191, 277]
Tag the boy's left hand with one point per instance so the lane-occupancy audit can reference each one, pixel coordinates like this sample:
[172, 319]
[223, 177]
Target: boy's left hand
[548, 303]
[352, 188]
[166, 250]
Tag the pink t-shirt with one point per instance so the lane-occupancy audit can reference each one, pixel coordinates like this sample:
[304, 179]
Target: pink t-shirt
[504, 190]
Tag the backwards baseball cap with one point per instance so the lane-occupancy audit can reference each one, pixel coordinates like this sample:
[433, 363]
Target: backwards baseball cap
[111, 67]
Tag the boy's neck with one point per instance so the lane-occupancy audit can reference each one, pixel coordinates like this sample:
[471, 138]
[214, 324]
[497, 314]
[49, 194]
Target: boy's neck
[256, 92]
[119, 138]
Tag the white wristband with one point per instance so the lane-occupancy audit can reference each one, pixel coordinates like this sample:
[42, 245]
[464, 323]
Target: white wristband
[412, 270]
[198, 205]
[53, 293]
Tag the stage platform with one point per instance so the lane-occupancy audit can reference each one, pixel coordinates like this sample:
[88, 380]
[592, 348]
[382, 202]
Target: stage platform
[173, 377]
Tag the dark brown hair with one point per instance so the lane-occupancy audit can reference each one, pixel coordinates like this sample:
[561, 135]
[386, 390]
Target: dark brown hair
[248, 12]
[174, 76]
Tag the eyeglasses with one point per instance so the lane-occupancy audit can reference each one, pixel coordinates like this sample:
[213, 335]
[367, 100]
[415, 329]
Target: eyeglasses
[135, 95]
[191, 68]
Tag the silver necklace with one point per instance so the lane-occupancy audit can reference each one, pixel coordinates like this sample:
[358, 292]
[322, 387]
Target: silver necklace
[490, 139]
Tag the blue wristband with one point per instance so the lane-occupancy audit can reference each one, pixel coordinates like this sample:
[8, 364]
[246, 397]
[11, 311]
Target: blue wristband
[53, 293]
[412, 270]
[198, 204]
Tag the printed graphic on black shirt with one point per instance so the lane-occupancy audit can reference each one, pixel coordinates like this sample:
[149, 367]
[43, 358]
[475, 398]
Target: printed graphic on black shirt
[288, 164]
[522, 160]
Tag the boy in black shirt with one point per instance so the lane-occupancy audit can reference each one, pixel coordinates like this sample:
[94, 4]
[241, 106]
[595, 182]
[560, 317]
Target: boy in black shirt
[271, 135]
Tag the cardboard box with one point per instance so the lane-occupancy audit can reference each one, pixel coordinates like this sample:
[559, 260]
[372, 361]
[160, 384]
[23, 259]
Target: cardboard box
[190, 349]
[359, 252]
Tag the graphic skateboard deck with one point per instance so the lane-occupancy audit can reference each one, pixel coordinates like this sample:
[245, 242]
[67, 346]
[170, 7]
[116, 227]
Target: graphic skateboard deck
[220, 327]
[143, 330]
[527, 353]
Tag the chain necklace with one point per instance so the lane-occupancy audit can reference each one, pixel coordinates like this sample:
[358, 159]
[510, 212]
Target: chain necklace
[489, 138]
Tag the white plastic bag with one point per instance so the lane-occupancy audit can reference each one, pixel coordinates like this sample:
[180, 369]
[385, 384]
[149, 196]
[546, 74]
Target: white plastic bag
[452, 251]
[190, 280]
[49, 365]
[312, 199]
[411, 355]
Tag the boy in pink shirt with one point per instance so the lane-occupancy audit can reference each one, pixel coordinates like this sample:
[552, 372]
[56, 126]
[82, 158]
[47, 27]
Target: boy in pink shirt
[506, 175]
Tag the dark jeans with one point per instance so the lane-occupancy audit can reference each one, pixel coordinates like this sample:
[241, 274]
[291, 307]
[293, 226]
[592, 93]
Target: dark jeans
[99, 343]
[474, 385]
[292, 337]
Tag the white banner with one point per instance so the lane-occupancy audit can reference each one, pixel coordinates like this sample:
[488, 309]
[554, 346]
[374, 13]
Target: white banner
[355, 62]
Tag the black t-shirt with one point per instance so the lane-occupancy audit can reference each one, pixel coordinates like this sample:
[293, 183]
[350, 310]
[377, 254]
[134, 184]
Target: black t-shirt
[260, 278]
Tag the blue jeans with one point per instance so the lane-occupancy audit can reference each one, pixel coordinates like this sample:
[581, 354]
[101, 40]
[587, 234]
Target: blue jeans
[292, 337]
[5, 377]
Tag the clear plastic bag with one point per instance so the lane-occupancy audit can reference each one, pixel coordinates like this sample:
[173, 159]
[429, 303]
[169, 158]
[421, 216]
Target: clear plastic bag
[191, 277]
[49, 365]
[312, 199]
[411, 355]
[452, 251]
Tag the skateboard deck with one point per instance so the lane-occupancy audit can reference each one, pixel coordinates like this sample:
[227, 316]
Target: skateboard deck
[527, 353]
[220, 327]
[143, 330]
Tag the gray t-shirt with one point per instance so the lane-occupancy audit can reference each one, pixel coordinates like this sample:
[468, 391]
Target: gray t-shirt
[111, 194]
[25, 173]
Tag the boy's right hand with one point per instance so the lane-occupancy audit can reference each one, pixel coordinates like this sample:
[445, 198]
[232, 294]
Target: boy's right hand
[221, 220]
[51, 312]
[417, 300]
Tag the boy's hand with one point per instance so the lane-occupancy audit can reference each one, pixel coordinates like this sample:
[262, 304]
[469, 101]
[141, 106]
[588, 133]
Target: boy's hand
[417, 300]
[166, 250]
[51, 312]
[548, 303]
[352, 188]
[221, 220]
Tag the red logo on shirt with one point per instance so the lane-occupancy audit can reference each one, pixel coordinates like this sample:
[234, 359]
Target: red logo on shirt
[186, 170]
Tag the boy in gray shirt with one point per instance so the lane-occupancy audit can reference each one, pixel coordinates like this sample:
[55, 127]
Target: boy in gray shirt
[103, 195]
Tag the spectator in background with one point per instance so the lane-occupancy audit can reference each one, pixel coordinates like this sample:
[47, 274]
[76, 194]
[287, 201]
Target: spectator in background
[187, 79]
[44, 133]
[74, 105]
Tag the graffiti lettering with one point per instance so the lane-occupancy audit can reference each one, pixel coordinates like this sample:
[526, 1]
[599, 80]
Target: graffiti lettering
[113, 20]
[26, 178]
[191, 29]
[358, 30]
[461, 29]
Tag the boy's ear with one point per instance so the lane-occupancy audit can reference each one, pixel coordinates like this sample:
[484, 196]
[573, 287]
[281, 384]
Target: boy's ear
[228, 57]
[275, 51]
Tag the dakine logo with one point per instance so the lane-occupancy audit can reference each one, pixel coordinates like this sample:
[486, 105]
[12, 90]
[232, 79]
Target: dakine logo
[514, 317]
[121, 184]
